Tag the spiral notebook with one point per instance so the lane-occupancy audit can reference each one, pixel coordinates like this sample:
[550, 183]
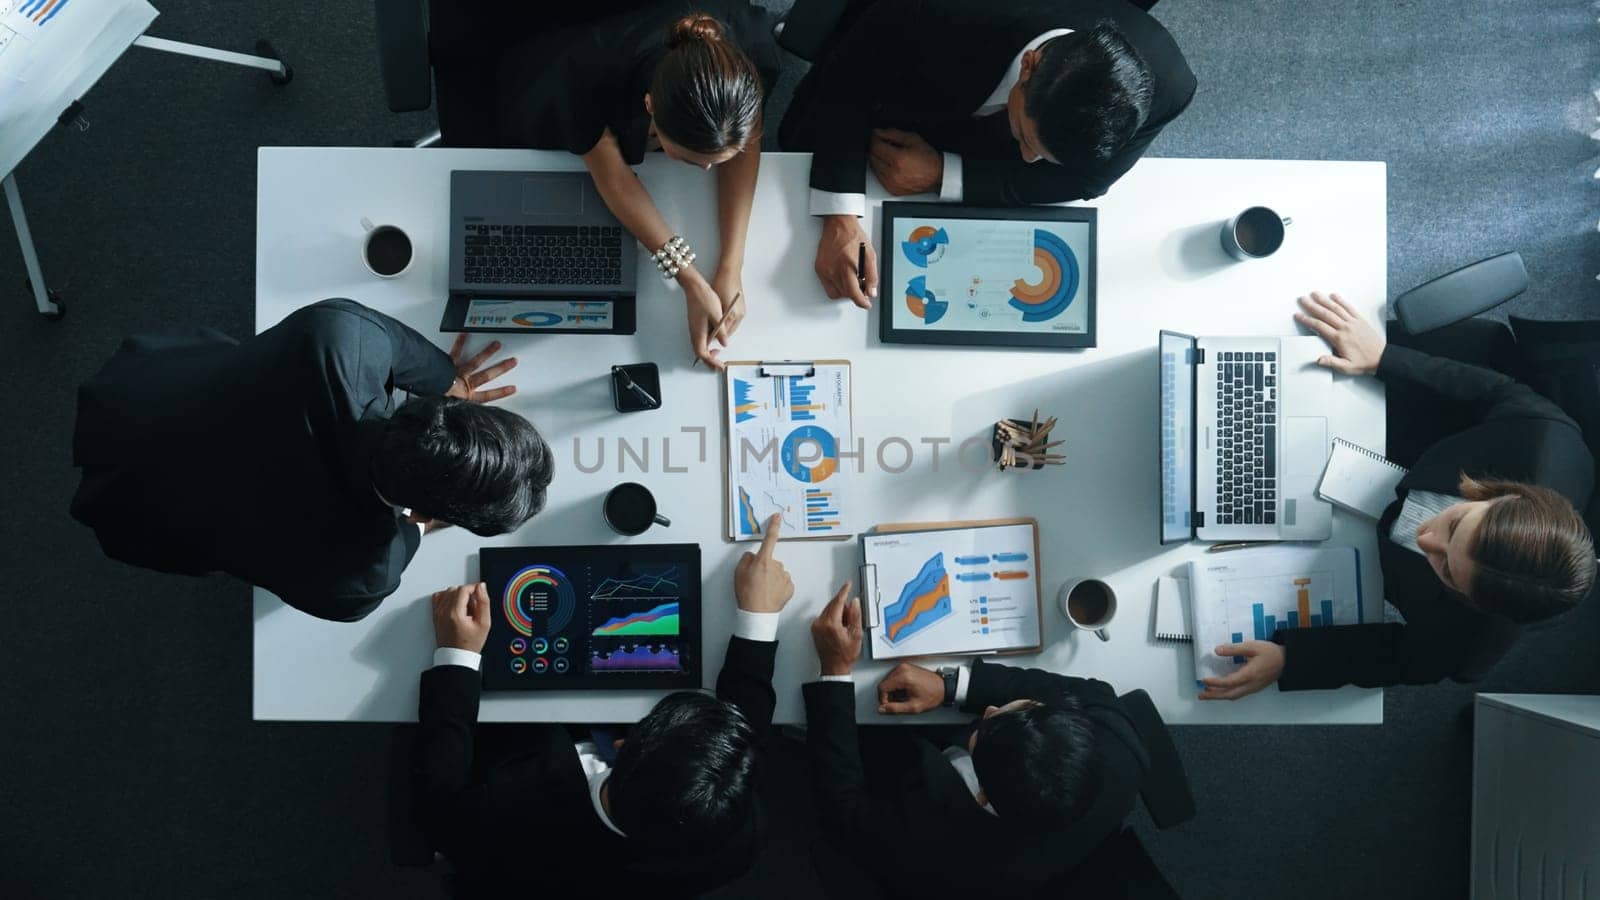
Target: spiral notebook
[1359, 479]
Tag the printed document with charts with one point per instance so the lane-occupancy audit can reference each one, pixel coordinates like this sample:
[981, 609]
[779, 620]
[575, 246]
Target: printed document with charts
[51, 53]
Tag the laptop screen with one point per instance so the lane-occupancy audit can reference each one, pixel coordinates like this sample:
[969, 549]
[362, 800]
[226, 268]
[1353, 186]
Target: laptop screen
[1177, 436]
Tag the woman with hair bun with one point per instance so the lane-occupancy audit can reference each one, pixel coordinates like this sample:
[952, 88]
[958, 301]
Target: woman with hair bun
[686, 79]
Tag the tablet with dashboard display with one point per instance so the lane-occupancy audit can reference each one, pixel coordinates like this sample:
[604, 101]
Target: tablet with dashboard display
[592, 618]
[952, 274]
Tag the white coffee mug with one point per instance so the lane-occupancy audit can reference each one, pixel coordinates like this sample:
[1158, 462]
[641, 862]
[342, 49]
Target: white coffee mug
[1087, 621]
[385, 232]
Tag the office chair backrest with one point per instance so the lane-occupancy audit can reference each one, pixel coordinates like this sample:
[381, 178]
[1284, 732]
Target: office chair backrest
[1166, 789]
[1461, 294]
[402, 27]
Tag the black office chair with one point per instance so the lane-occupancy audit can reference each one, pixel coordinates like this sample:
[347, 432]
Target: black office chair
[810, 25]
[1560, 360]
[408, 845]
[454, 50]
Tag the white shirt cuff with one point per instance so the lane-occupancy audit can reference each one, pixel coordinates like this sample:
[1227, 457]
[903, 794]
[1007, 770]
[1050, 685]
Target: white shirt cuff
[755, 626]
[847, 679]
[827, 203]
[950, 187]
[963, 681]
[455, 656]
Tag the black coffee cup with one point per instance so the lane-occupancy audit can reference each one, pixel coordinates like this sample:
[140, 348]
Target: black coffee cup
[1255, 233]
[387, 251]
[630, 509]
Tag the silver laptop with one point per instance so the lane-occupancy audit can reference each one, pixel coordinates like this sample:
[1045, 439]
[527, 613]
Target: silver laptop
[1244, 438]
[537, 252]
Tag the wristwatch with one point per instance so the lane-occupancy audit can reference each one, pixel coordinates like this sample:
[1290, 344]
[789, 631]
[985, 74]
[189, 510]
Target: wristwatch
[951, 677]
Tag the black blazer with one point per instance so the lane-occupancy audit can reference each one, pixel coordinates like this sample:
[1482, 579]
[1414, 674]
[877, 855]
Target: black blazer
[927, 65]
[911, 822]
[562, 89]
[527, 819]
[1519, 435]
[205, 454]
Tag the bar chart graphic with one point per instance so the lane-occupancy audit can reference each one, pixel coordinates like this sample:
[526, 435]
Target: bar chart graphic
[1277, 602]
[801, 408]
[820, 512]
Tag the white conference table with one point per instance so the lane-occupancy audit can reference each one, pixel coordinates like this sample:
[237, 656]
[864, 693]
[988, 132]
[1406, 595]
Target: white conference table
[1160, 267]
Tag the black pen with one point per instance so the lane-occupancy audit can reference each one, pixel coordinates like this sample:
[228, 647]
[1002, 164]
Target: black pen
[861, 264]
[641, 393]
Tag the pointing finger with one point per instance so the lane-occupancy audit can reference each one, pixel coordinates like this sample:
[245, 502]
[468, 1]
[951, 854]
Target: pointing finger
[769, 536]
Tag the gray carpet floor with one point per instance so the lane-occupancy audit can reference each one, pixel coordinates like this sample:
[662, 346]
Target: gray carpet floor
[129, 765]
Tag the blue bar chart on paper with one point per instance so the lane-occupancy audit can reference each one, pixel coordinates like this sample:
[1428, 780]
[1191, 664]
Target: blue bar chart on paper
[788, 433]
[1252, 597]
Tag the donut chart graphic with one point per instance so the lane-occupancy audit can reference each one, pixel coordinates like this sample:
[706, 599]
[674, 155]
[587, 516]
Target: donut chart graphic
[542, 590]
[922, 303]
[1046, 299]
[813, 470]
[925, 245]
[518, 665]
[538, 319]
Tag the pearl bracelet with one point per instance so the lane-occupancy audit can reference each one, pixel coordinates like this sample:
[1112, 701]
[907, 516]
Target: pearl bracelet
[673, 257]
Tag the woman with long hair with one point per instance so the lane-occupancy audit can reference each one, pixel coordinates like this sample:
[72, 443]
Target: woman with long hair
[1484, 534]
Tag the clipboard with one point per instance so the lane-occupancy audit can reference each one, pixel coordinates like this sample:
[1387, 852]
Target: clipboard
[736, 393]
[874, 602]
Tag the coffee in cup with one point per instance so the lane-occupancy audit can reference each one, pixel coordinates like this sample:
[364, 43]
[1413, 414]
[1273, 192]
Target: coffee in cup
[630, 509]
[1253, 234]
[1089, 604]
[387, 250]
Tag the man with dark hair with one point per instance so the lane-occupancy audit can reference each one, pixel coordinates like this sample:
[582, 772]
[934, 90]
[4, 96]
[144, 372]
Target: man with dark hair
[283, 459]
[1039, 101]
[675, 811]
[1031, 788]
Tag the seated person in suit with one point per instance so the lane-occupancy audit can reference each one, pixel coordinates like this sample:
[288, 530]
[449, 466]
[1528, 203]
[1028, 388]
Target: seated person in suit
[673, 808]
[988, 104]
[687, 80]
[1483, 536]
[285, 461]
[1047, 773]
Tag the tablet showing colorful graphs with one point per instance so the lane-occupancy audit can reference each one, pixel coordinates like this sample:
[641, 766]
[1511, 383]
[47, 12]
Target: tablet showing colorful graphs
[566, 618]
[963, 275]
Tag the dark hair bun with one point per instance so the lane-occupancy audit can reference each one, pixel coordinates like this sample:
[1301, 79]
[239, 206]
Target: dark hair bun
[694, 27]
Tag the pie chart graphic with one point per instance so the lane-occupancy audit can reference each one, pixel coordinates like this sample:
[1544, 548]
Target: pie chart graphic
[542, 591]
[922, 303]
[817, 464]
[1052, 294]
[538, 319]
[925, 244]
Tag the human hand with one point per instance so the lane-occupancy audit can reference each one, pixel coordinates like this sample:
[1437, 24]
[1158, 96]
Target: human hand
[760, 582]
[705, 308]
[469, 377]
[922, 689]
[836, 633]
[461, 617]
[837, 255]
[729, 286]
[1357, 346]
[904, 162]
[1263, 664]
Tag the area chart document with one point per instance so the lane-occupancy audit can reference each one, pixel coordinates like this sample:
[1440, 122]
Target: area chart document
[931, 591]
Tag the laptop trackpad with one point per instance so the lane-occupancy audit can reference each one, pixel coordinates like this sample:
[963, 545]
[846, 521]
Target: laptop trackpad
[1305, 453]
[552, 196]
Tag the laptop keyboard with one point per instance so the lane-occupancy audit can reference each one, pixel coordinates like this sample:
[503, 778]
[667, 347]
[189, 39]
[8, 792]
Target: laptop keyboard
[544, 254]
[1247, 448]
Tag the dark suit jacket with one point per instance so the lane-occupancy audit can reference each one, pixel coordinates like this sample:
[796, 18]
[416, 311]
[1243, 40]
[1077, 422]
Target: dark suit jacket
[906, 817]
[927, 65]
[527, 820]
[563, 88]
[1520, 436]
[204, 454]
